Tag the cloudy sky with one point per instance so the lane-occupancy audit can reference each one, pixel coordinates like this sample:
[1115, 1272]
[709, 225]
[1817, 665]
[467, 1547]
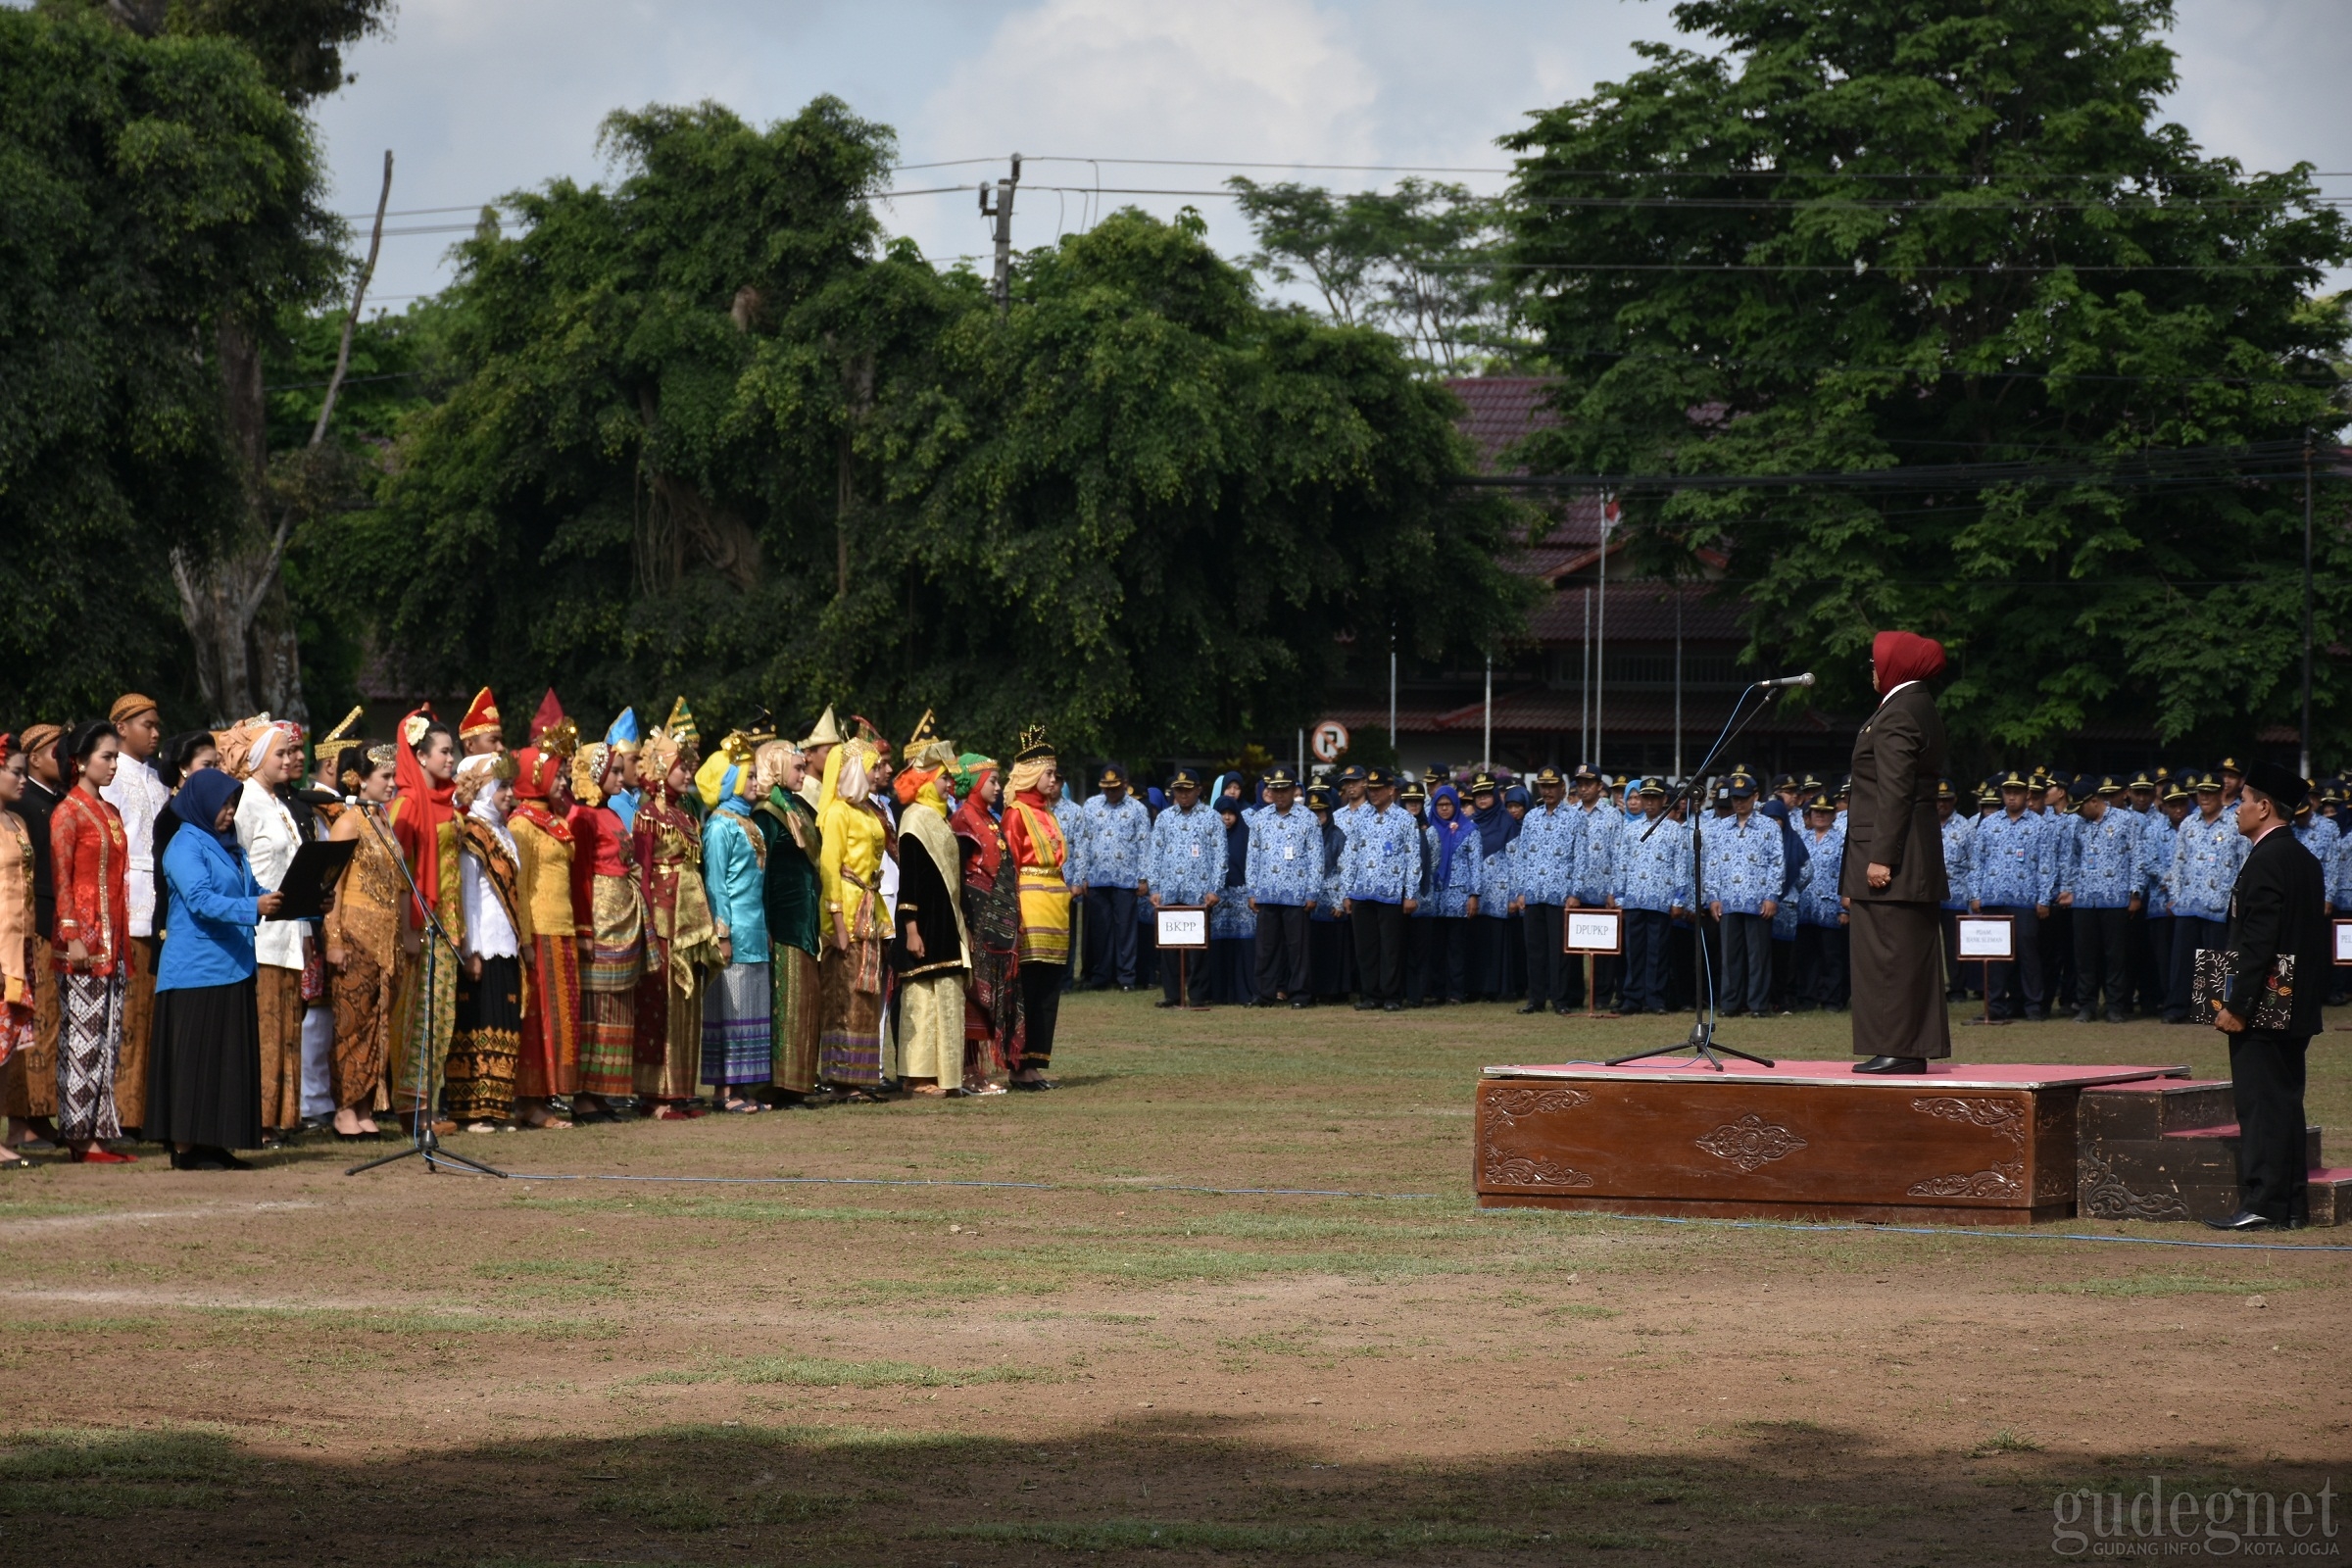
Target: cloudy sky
[481, 97]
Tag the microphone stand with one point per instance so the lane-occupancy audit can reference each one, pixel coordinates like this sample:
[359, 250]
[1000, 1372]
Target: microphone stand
[423, 1142]
[1701, 1037]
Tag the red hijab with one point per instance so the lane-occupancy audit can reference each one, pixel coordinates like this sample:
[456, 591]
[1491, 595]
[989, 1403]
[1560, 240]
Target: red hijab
[424, 805]
[1901, 655]
[975, 822]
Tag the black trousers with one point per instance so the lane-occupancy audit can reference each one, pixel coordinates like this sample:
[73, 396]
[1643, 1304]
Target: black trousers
[1823, 955]
[2103, 957]
[1746, 963]
[2057, 960]
[1184, 974]
[2265, 1080]
[2160, 964]
[1646, 935]
[1449, 957]
[2140, 979]
[1282, 952]
[1549, 975]
[2188, 935]
[1041, 1004]
[1420, 941]
[1956, 980]
[2015, 987]
[1113, 908]
[1379, 951]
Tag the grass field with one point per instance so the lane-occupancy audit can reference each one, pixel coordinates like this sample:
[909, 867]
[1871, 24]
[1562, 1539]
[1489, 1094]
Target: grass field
[1049, 1341]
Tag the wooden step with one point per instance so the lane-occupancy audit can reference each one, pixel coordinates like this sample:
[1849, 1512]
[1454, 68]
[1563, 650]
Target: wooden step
[2150, 1107]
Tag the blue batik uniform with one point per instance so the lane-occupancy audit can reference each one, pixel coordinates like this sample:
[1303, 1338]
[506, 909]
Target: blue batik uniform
[1381, 863]
[2011, 866]
[1497, 883]
[2103, 865]
[1546, 848]
[1597, 847]
[1655, 872]
[1187, 862]
[1745, 865]
[1817, 902]
[2157, 841]
[2319, 836]
[2205, 862]
[1959, 858]
[2339, 874]
[1285, 856]
[1117, 841]
[1451, 888]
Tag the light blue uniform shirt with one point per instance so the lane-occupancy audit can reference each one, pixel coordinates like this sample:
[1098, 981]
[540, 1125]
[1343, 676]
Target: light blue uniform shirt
[2158, 838]
[1118, 842]
[1653, 872]
[1071, 817]
[1383, 860]
[2205, 861]
[1599, 840]
[1285, 856]
[1495, 888]
[1187, 862]
[1959, 858]
[1745, 866]
[2103, 865]
[2339, 874]
[2012, 866]
[1547, 850]
[1453, 901]
[1818, 904]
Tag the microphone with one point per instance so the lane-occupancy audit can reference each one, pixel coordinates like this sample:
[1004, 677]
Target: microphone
[1806, 679]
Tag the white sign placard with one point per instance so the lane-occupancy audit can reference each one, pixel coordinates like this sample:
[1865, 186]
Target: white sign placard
[1182, 928]
[1987, 936]
[1328, 740]
[2343, 941]
[1593, 930]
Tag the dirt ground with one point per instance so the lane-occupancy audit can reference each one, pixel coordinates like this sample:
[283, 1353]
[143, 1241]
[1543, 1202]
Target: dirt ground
[1012, 1339]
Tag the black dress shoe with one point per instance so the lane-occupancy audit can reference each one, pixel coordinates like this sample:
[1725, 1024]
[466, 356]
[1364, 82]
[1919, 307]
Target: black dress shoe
[1367, 1007]
[1533, 1006]
[1892, 1065]
[2245, 1219]
[1303, 1002]
[2084, 1015]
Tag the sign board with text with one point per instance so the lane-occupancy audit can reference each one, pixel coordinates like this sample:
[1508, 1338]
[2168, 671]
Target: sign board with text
[2343, 942]
[1593, 930]
[1986, 937]
[1181, 927]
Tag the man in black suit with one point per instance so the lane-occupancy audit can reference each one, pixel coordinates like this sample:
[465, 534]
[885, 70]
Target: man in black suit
[2277, 909]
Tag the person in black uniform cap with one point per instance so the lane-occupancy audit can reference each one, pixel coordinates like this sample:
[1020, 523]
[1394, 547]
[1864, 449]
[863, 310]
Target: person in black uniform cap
[1412, 798]
[2278, 910]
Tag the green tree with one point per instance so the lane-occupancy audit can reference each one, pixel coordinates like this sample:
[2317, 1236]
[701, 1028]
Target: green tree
[152, 190]
[1420, 261]
[1951, 237]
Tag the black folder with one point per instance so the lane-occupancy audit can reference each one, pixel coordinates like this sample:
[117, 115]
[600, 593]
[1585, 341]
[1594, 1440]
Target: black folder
[317, 866]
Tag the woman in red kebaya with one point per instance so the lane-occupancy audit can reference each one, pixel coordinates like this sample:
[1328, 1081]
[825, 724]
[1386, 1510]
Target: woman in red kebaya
[90, 859]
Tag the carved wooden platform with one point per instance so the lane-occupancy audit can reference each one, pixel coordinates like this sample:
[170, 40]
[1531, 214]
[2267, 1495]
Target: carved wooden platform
[1990, 1145]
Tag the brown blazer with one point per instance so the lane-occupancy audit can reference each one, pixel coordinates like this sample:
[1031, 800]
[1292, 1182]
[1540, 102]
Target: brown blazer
[1898, 757]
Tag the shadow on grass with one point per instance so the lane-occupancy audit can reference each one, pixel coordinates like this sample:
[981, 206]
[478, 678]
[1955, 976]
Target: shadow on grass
[1165, 1488]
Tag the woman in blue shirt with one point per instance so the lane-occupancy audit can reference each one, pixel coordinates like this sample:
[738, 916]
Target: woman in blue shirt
[204, 1086]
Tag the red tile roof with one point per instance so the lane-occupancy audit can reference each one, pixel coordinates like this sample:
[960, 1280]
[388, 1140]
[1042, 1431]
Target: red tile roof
[1638, 611]
[1499, 410]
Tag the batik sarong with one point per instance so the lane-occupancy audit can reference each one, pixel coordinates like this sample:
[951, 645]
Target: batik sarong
[89, 1041]
[736, 1009]
[488, 1038]
[800, 1018]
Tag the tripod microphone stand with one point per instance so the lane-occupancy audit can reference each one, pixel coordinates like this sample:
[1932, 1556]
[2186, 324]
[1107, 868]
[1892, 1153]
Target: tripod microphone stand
[1701, 1037]
[423, 1142]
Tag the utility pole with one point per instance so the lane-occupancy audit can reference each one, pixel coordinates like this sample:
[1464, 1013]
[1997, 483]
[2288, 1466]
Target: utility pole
[1600, 629]
[1395, 751]
[1001, 212]
[2305, 768]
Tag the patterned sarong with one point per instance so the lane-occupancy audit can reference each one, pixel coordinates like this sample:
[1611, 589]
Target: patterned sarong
[550, 1063]
[89, 1039]
[736, 1003]
[800, 1018]
[489, 1035]
[367, 1004]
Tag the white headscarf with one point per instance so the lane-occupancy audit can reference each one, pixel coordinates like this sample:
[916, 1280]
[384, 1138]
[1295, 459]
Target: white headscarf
[482, 772]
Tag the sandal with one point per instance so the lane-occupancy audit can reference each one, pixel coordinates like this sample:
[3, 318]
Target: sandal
[742, 1108]
[856, 1096]
[680, 1114]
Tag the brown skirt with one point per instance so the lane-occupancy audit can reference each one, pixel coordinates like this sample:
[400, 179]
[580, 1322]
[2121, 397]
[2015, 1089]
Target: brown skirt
[366, 999]
[550, 1063]
[139, 1025]
[277, 999]
[668, 1064]
[608, 1034]
[1897, 969]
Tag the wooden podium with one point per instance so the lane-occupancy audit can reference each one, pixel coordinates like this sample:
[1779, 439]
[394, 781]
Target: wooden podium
[1990, 1143]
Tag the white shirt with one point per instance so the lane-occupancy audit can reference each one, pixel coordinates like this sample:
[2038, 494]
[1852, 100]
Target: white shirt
[489, 933]
[138, 793]
[267, 830]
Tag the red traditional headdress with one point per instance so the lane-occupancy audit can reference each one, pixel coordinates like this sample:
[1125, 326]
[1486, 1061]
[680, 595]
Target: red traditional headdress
[482, 719]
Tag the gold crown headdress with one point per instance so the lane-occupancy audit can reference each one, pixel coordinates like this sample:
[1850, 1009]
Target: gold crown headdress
[331, 744]
[1035, 747]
